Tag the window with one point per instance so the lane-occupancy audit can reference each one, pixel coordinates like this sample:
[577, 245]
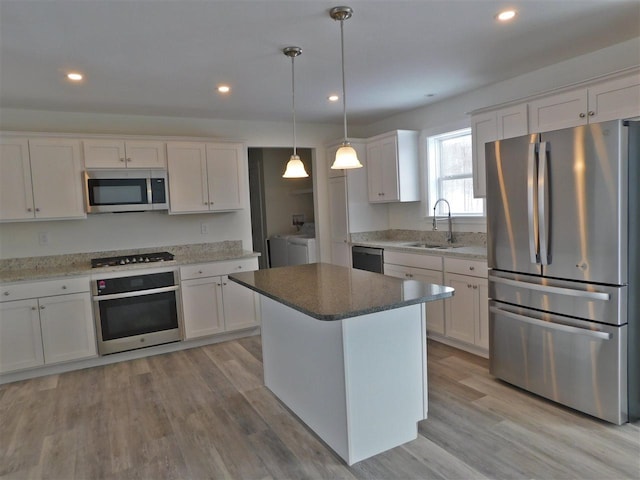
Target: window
[450, 175]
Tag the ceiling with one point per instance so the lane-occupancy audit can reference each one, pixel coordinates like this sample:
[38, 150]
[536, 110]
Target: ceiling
[166, 57]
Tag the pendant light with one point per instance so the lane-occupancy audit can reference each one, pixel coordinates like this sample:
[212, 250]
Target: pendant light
[295, 167]
[346, 156]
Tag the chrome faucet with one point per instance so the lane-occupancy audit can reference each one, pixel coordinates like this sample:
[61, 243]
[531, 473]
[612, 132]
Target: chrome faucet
[435, 219]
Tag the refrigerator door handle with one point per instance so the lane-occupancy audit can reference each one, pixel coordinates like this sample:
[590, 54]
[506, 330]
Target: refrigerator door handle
[543, 203]
[552, 326]
[550, 289]
[532, 203]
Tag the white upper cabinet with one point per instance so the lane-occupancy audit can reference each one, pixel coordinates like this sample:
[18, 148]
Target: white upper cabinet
[108, 153]
[40, 178]
[392, 167]
[489, 127]
[608, 100]
[205, 177]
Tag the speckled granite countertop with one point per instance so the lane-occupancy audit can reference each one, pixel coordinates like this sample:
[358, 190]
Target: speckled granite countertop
[466, 244]
[39, 268]
[330, 292]
[474, 252]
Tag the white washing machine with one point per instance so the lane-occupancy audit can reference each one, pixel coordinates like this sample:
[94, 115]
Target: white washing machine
[301, 250]
[293, 249]
[278, 256]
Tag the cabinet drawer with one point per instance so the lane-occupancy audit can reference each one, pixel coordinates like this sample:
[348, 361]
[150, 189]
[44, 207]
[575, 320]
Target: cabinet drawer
[473, 268]
[45, 288]
[432, 262]
[218, 268]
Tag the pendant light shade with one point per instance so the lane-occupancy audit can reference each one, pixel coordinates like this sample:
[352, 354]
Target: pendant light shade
[346, 156]
[295, 167]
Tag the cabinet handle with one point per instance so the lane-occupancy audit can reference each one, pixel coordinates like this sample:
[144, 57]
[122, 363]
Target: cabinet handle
[472, 268]
[582, 115]
[475, 287]
[239, 267]
[29, 209]
[37, 209]
[224, 283]
[199, 272]
[128, 159]
[64, 287]
[6, 294]
[591, 113]
[468, 285]
[122, 159]
[33, 308]
[41, 307]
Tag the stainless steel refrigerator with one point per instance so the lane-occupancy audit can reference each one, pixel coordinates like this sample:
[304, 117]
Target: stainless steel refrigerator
[563, 216]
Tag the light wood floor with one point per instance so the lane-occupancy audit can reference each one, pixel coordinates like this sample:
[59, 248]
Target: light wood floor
[204, 413]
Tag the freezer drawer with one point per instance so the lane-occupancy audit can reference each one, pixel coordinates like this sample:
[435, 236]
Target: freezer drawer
[579, 364]
[598, 303]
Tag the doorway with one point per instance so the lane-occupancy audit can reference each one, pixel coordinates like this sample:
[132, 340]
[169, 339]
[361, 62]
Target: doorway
[279, 206]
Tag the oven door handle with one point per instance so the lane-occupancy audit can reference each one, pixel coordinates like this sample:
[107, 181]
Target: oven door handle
[137, 293]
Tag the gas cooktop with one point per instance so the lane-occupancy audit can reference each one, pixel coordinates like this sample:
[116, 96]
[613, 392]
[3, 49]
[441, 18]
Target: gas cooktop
[131, 259]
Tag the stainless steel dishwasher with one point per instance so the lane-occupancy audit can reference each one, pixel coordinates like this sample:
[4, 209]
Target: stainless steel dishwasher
[368, 258]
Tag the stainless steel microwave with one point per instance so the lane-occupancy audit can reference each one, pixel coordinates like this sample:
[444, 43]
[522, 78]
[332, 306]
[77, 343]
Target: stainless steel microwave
[125, 190]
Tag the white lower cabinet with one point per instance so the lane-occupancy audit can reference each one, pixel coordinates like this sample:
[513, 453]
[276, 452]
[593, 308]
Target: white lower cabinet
[466, 313]
[212, 303]
[40, 326]
[426, 268]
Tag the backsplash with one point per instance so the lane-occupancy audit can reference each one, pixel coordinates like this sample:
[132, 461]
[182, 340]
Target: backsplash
[427, 236]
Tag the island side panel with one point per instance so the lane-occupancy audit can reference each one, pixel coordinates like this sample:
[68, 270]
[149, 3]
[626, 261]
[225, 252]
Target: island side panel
[385, 379]
[304, 367]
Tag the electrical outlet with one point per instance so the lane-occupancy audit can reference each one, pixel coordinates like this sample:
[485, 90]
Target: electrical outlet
[43, 238]
[204, 228]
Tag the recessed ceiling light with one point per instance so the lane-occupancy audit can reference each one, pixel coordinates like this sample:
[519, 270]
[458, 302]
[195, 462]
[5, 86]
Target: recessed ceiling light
[333, 98]
[506, 15]
[224, 88]
[74, 76]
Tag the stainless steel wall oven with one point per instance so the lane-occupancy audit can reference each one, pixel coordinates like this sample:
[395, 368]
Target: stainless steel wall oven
[136, 310]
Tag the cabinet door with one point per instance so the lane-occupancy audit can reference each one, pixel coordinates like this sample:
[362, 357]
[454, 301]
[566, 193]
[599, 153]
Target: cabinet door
[225, 177]
[339, 214]
[512, 121]
[374, 172]
[202, 307]
[382, 171]
[483, 129]
[16, 193]
[482, 324]
[435, 309]
[20, 337]
[564, 110]
[460, 310]
[104, 153]
[240, 306]
[56, 173]
[619, 98]
[67, 327]
[187, 170]
[145, 154]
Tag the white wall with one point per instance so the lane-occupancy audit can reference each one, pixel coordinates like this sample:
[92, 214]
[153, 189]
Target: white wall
[453, 113]
[122, 231]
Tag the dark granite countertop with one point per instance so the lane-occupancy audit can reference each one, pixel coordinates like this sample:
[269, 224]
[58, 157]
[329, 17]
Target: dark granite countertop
[331, 292]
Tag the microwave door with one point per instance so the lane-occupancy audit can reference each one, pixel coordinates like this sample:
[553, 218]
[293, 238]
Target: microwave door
[117, 194]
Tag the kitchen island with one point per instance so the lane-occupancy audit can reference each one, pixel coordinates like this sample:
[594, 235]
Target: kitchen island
[345, 350]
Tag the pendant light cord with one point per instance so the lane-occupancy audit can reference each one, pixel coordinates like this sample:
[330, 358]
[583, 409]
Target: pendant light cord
[293, 103]
[344, 88]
